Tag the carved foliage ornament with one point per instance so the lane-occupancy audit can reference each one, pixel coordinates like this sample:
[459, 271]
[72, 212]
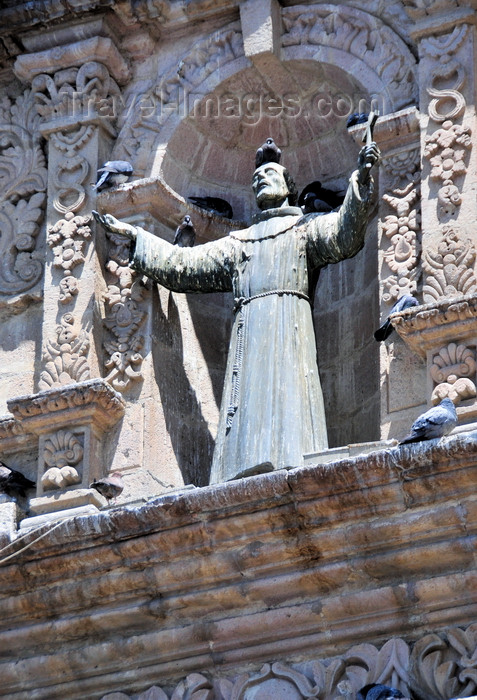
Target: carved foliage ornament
[437, 668]
[62, 451]
[65, 358]
[402, 228]
[449, 268]
[23, 180]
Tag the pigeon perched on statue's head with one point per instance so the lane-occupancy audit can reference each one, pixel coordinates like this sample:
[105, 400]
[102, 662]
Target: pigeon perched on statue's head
[267, 153]
[378, 691]
[185, 233]
[404, 302]
[14, 483]
[437, 421]
[110, 486]
[113, 173]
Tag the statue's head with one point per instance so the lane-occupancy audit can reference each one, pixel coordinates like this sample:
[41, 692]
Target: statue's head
[273, 186]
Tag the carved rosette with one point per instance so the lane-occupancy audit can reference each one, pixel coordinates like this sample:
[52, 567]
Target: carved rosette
[402, 229]
[436, 667]
[23, 180]
[67, 239]
[449, 269]
[125, 316]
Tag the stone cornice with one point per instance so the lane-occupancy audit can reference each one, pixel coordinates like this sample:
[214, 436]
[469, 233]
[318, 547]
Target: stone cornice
[93, 401]
[244, 572]
[427, 326]
[99, 48]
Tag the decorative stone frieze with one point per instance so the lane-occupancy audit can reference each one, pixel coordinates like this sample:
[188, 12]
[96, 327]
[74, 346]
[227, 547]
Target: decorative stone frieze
[453, 371]
[22, 195]
[65, 357]
[450, 268]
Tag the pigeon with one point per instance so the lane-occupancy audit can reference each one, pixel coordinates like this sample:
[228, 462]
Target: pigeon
[385, 330]
[437, 421]
[377, 691]
[114, 172]
[323, 200]
[267, 153]
[110, 487]
[356, 118]
[13, 483]
[216, 205]
[185, 233]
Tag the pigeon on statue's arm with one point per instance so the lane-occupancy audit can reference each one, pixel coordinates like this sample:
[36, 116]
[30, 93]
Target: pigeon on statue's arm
[185, 233]
[14, 483]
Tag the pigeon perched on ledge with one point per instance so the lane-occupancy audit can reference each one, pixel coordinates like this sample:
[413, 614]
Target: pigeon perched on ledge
[435, 423]
[385, 330]
[113, 173]
[13, 483]
[185, 233]
[267, 153]
[377, 691]
[110, 487]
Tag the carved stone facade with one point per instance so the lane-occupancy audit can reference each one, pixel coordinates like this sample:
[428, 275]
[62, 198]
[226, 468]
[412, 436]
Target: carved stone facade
[307, 583]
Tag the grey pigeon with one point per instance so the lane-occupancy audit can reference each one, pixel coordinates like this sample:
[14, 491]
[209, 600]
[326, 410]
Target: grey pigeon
[316, 198]
[356, 118]
[267, 153]
[110, 487]
[385, 330]
[113, 173]
[377, 691]
[13, 483]
[437, 421]
[216, 205]
[185, 233]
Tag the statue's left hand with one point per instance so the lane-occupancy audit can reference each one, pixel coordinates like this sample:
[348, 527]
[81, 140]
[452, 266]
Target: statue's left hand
[368, 156]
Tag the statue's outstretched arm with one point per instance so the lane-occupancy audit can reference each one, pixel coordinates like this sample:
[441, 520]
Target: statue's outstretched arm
[115, 226]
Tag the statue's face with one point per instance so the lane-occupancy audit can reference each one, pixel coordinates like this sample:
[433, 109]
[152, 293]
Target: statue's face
[269, 185]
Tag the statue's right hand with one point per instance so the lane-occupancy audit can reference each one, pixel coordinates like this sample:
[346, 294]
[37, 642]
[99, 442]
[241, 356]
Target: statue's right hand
[114, 225]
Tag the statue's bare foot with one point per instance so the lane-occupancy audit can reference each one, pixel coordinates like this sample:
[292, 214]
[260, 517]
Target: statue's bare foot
[114, 225]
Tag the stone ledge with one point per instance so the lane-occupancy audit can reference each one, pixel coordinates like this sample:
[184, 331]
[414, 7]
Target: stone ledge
[229, 576]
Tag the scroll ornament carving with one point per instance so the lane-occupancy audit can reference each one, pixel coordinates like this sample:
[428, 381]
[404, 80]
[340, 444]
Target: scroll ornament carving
[449, 268]
[421, 8]
[67, 239]
[358, 34]
[23, 180]
[124, 318]
[438, 667]
[446, 70]
[451, 370]
[65, 358]
[402, 255]
[446, 150]
[61, 452]
[148, 111]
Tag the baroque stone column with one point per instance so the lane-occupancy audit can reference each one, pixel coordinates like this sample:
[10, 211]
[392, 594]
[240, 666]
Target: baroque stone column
[444, 332]
[76, 94]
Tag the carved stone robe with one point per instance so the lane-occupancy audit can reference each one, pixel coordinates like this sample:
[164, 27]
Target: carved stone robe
[272, 410]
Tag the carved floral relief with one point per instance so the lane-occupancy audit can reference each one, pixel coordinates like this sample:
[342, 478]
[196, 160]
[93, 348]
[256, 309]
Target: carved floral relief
[23, 180]
[449, 268]
[453, 371]
[65, 358]
[402, 228]
[436, 667]
[124, 318]
[62, 453]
